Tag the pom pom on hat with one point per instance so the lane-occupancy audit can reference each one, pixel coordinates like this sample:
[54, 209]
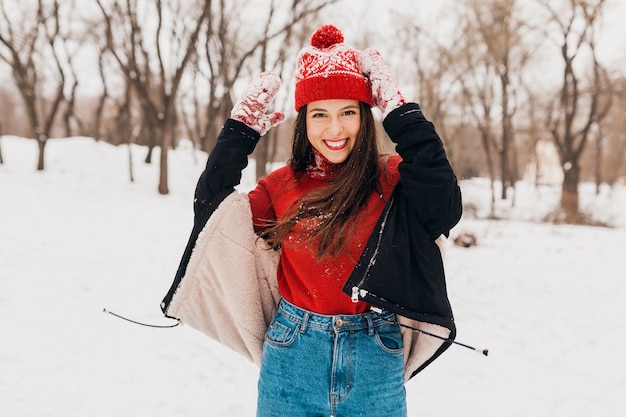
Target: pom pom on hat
[328, 69]
[326, 36]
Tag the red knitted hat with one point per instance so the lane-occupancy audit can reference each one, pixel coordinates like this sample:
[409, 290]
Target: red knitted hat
[328, 69]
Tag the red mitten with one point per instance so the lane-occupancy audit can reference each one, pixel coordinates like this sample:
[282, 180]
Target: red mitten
[385, 91]
[250, 109]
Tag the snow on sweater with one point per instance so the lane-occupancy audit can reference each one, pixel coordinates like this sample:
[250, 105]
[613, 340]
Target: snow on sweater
[302, 280]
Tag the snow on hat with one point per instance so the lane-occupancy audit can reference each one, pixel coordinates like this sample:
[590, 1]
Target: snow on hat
[328, 69]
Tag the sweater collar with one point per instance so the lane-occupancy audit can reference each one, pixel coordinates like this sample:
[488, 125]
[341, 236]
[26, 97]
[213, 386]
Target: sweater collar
[322, 168]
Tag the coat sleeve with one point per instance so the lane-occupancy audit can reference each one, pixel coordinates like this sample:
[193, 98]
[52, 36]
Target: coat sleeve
[221, 175]
[226, 162]
[425, 172]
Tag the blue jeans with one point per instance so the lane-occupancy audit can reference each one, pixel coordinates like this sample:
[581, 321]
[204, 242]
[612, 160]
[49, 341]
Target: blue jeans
[331, 366]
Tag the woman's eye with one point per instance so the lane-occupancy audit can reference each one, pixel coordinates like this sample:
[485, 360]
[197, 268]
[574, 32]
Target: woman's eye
[318, 115]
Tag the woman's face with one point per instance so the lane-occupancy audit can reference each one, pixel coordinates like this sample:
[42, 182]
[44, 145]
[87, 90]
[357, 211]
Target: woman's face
[332, 127]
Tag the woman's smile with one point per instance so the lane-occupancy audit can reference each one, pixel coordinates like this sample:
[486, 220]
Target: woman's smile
[336, 145]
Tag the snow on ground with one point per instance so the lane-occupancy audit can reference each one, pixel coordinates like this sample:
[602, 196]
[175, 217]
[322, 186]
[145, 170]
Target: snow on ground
[79, 237]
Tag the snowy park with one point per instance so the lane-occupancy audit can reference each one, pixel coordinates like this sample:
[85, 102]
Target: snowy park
[79, 237]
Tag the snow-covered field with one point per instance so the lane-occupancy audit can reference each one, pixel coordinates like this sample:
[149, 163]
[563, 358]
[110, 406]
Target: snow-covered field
[548, 301]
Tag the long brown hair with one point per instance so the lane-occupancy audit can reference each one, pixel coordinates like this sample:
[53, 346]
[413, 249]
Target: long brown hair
[330, 211]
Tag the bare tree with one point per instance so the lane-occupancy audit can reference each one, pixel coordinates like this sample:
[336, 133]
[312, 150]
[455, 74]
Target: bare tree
[430, 67]
[70, 48]
[32, 38]
[153, 42]
[99, 112]
[231, 50]
[579, 107]
[476, 74]
[501, 32]
[478, 98]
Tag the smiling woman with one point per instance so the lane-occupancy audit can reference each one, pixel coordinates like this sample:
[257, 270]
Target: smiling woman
[321, 351]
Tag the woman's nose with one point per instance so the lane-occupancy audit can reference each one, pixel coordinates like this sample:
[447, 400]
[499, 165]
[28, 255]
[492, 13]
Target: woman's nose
[335, 126]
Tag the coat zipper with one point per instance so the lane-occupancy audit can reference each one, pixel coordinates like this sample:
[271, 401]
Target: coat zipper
[357, 291]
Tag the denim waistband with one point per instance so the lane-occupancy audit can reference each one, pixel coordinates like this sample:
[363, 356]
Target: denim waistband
[341, 322]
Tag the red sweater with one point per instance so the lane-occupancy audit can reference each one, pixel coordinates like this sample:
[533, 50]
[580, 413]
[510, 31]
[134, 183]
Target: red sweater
[302, 280]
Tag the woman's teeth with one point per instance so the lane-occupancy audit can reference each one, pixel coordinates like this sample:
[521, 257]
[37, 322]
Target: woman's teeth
[336, 144]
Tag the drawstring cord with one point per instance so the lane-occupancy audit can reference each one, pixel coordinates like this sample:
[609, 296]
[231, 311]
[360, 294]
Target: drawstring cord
[445, 339]
[142, 324]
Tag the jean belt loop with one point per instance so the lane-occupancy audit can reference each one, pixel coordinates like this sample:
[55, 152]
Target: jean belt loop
[305, 322]
[370, 324]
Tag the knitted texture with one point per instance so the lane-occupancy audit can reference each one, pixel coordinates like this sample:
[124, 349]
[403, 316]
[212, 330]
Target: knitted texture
[303, 280]
[386, 94]
[322, 167]
[250, 109]
[328, 69]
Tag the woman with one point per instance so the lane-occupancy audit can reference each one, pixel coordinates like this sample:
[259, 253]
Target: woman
[324, 351]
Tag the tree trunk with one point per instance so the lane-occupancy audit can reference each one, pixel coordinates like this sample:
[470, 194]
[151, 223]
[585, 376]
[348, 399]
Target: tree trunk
[163, 187]
[148, 159]
[261, 156]
[166, 132]
[484, 135]
[598, 160]
[41, 143]
[569, 194]
[506, 136]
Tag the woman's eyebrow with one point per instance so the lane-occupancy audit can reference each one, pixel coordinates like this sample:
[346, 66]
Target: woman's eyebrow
[350, 106]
